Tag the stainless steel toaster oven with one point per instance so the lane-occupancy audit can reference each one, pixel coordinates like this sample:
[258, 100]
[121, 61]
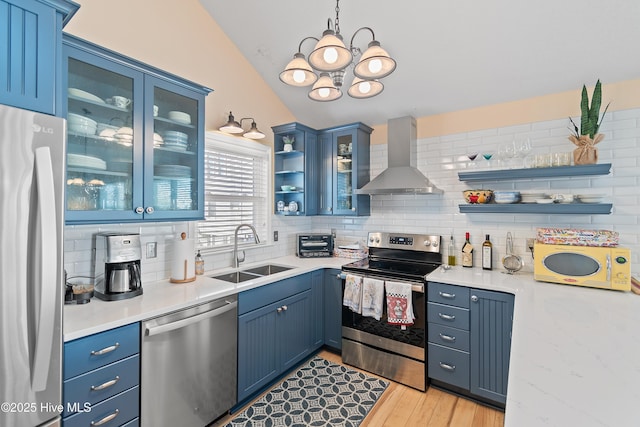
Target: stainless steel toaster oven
[314, 245]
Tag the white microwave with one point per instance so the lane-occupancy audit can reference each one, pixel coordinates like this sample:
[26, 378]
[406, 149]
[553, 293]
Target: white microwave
[596, 267]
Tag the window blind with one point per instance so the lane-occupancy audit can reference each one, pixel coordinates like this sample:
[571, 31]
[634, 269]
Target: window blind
[236, 182]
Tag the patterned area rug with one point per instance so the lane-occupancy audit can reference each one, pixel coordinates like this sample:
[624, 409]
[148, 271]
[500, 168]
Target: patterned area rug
[320, 393]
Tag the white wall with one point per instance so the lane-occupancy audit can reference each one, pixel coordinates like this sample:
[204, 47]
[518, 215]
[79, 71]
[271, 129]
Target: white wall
[440, 158]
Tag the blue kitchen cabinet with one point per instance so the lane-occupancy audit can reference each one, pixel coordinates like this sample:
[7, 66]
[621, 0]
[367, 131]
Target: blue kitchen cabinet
[135, 139]
[317, 308]
[344, 157]
[491, 319]
[333, 308]
[469, 333]
[30, 47]
[101, 377]
[274, 332]
[295, 168]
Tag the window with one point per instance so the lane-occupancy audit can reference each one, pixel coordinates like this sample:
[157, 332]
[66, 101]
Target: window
[236, 184]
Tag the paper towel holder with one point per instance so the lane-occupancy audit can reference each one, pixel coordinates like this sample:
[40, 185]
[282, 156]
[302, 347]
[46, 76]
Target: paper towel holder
[183, 269]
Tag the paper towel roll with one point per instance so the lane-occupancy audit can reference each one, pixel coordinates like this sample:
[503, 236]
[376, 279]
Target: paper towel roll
[183, 267]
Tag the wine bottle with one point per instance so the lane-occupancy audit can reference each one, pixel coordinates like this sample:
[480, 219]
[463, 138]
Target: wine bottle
[452, 254]
[487, 254]
[467, 252]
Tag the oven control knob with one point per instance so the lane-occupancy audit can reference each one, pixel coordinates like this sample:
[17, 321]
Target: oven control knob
[427, 242]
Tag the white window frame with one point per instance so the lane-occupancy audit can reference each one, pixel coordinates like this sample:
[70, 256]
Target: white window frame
[240, 145]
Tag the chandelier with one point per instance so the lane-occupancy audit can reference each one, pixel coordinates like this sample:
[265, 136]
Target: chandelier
[330, 58]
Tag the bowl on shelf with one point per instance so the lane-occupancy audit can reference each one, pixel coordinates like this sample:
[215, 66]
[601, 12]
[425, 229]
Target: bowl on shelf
[591, 198]
[478, 196]
[179, 116]
[545, 201]
[506, 197]
[287, 187]
[531, 197]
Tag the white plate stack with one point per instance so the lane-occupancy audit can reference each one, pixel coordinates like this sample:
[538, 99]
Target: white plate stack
[81, 161]
[176, 140]
[124, 136]
[81, 125]
[173, 171]
[531, 197]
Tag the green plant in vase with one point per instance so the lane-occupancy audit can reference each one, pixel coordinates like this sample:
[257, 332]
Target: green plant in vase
[288, 142]
[586, 137]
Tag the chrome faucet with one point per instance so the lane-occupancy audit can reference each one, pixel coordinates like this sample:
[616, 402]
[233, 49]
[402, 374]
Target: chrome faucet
[236, 258]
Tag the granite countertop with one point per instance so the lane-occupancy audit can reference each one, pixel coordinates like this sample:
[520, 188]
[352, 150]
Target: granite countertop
[572, 354]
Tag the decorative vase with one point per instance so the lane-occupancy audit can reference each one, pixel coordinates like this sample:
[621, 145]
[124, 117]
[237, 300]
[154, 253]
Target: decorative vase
[586, 152]
[288, 147]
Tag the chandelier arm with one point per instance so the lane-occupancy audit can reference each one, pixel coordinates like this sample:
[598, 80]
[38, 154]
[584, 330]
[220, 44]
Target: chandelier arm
[373, 36]
[304, 40]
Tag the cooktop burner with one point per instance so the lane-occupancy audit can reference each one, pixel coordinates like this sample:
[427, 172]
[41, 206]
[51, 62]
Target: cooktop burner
[399, 256]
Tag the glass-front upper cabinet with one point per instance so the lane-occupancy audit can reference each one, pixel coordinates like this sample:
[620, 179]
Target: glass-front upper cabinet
[174, 176]
[345, 156]
[135, 140]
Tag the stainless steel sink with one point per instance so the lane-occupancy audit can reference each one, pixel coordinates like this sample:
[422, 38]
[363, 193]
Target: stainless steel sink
[236, 277]
[265, 270]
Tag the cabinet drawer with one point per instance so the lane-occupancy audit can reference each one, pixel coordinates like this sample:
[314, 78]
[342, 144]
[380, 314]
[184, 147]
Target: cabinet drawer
[448, 336]
[448, 315]
[133, 423]
[268, 294]
[448, 365]
[125, 406]
[448, 294]
[114, 378]
[107, 347]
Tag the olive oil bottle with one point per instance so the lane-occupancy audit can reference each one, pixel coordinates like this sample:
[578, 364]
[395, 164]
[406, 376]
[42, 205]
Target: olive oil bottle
[451, 259]
[487, 254]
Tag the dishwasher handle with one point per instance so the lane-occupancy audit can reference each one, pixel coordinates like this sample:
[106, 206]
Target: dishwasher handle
[155, 330]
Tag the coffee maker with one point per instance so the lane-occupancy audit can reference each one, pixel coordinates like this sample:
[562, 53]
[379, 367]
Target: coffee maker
[116, 266]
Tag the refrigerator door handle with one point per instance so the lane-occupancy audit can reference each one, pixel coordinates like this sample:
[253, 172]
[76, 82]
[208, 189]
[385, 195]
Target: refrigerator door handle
[47, 274]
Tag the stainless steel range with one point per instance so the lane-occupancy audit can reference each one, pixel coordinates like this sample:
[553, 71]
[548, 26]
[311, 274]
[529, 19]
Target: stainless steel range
[392, 351]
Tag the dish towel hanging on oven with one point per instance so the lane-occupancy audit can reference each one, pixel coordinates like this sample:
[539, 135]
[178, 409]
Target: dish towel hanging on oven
[372, 297]
[399, 307]
[353, 293]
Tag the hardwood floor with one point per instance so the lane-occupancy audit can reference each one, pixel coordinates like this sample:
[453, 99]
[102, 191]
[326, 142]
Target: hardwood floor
[401, 406]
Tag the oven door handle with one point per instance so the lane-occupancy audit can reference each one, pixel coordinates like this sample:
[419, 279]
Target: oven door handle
[415, 287]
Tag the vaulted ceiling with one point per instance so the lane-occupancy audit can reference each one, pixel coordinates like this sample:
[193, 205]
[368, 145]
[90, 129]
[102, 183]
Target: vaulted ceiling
[451, 55]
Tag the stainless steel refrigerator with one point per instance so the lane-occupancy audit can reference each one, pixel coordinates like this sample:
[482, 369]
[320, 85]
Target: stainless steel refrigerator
[32, 175]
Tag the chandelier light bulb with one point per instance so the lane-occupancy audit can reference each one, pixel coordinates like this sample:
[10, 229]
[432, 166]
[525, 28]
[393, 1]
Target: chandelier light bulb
[364, 87]
[375, 66]
[330, 55]
[323, 92]
[298, 76]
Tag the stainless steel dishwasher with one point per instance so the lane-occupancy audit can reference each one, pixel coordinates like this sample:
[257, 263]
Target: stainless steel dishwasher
[188, 365]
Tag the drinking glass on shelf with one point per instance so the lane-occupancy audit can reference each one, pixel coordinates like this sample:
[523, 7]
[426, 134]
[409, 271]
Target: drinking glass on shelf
[471, 155]
[524, 151]
[508, 153]
[487, 157]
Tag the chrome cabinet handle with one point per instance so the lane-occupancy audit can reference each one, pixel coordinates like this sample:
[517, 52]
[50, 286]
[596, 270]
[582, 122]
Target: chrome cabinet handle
[105, 385]
[447, 367]
[279, 309]
[446, 316]
[447, 295]
[106, 419]
[474, 298]
[105, 350]
[447, 337]
[149, 210]
[139, 210]
[282, 308]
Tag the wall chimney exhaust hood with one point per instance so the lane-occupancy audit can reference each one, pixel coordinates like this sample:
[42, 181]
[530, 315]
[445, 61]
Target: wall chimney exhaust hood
[401, 175]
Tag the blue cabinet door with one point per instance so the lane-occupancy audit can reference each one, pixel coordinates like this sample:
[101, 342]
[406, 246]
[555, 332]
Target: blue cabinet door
[317, 308]
[491, 318]
[30, 51]
[294, 329]
[258, 362]
[325, 172]
[333, 308]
